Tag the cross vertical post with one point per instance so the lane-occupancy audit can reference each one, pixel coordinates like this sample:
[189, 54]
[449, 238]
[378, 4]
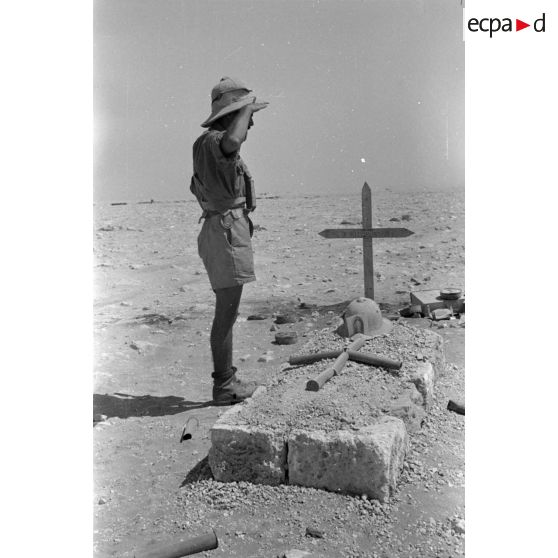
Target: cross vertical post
[367, 252]
[367, 233]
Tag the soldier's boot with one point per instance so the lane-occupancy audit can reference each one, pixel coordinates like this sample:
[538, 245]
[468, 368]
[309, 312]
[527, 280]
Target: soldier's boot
[232, 390]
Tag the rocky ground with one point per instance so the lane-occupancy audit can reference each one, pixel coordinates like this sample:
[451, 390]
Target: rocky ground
[153, 310]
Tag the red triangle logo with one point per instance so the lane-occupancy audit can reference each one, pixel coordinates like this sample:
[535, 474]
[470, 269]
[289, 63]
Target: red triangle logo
[519, 25]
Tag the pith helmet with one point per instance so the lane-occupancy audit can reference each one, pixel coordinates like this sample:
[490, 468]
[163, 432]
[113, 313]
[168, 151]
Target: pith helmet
[227, 96]
[363, 315]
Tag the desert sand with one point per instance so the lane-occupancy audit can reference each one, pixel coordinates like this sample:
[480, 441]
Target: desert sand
[153, 311]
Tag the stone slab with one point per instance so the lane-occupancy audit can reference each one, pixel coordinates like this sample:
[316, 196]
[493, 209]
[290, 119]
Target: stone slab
[242, 452]
[367, 461]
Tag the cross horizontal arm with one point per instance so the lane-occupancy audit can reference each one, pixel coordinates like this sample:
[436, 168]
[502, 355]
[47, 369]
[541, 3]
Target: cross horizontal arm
[366, 233]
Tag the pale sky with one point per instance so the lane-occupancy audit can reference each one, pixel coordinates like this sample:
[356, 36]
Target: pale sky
[358, 90]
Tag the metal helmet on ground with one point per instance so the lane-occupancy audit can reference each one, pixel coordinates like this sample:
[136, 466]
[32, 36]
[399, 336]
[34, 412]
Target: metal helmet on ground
[363, 315]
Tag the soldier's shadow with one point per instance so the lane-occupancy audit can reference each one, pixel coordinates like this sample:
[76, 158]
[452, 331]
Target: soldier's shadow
[123, 405]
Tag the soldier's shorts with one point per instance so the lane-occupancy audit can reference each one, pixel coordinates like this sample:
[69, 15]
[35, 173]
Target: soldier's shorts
[225, 246]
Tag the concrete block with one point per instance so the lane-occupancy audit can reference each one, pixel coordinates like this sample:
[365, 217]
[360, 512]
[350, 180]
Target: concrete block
[423, 378]
[242, 452]
[366, 461]
[247, 453]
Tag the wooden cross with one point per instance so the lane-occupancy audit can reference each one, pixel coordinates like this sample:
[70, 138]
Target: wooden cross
[367, 233]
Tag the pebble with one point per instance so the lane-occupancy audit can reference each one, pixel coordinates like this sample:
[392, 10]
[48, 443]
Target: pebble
[458, 525]
[314, 532]
[294, 553]
[286, 338]
[256, 317]
[141, 346]
[285, 319]
[265, 358]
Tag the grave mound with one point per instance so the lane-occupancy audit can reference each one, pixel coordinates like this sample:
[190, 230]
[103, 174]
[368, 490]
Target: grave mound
[350, 436]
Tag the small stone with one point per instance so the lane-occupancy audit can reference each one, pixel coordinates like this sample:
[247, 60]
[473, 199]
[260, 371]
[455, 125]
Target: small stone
[141, 346]
[273, 328]
[256, 317]
[441, 314]
[101, 501]
[423, 378]
[286, 338]
[294, 553]
[285, 319]
[265, 358]
[314, 532]
[458, 525]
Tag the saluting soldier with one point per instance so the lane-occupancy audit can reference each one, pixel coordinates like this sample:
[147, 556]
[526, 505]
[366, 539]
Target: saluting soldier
[224, 189]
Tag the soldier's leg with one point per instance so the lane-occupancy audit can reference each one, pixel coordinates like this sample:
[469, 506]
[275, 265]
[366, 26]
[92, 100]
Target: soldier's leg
[226, 312]
[227, 388]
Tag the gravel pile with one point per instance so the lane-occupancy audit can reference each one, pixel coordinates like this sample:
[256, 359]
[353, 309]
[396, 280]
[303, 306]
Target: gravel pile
[351, 400]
